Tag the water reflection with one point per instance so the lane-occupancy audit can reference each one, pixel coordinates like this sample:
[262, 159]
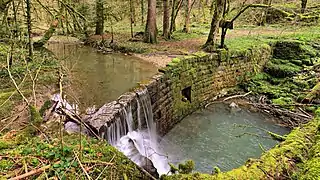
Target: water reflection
[97, 78]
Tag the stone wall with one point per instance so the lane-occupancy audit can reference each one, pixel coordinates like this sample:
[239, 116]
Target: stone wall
[186, 84]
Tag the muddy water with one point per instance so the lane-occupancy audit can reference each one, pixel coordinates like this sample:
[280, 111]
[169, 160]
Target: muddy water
[98, 78]
[219, 137]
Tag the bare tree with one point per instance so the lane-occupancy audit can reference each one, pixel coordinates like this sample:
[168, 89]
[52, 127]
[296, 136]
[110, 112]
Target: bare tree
[150, 35]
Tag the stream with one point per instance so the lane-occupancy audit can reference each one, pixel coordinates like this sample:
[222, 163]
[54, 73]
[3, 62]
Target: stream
[217, 136]
[98, 78]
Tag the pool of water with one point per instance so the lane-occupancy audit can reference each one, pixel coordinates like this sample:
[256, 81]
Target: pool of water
[98, 78]
[218, 136]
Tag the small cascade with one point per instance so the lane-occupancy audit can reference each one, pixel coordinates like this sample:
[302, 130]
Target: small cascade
[140, 144]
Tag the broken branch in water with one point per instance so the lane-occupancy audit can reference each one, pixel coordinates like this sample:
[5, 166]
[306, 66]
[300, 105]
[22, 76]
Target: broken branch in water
[272, 135]
[237, 96]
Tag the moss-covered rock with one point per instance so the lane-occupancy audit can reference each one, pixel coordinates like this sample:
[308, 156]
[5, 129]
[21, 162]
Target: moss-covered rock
[293, 50]
[281, 69]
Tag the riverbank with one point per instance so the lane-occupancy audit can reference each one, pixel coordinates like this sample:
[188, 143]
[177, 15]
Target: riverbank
[60, 152]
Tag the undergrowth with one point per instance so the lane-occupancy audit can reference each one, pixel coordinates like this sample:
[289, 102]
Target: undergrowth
[94, 158]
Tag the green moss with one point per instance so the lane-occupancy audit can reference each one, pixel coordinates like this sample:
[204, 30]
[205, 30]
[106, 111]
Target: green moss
[5, 165]
[47, 104]
[283, 101]
[176, 60]
[4, 144]
[216, 170]
[35, 117]
[281, 70]
[63, 161]
[187, 167]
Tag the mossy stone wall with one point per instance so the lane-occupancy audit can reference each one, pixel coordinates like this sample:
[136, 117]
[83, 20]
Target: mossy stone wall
[206, 75]
[202, 76]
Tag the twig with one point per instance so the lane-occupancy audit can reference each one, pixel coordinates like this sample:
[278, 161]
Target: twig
[13, 92]
[106, 167]
[237, 96]
[81, 166]
[304, 112]
[98, 162]
[33, 172]
[13, 119]
[60, 123]
[146, 172]
[14, 82]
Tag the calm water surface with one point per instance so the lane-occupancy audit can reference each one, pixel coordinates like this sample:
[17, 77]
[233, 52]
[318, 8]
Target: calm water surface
[98, 78]
[216, 137]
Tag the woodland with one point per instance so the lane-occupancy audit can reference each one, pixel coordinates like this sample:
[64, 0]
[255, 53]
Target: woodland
[33, 143]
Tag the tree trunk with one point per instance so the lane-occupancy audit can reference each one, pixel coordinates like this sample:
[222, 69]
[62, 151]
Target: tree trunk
[150, 35]
[3, 4]
[186, 27]
[166, 19]
[100, 17]
[212, 6]
[175, 10]
[264, 14]
[216, 18]
[303, 5]
[142, 12]
[131, 17]
[28, 11]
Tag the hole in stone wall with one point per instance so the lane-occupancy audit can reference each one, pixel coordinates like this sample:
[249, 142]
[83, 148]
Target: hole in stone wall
[158, 114]
[186, 93]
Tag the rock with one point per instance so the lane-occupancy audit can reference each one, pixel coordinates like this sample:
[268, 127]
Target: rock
[234, 107]
[72, 127]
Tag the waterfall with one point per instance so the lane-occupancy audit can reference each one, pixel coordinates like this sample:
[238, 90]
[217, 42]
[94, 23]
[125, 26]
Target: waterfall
[140, 144]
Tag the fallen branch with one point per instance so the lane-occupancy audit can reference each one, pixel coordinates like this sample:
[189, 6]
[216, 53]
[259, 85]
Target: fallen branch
[33, 172]
[81, 165]
[98, 162]
[291, 119]
[237, 96]
[13, 91]
[14, 82]
[78, 120]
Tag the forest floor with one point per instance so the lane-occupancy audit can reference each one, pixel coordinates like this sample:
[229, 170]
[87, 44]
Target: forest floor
[183, 47]
[183, 44]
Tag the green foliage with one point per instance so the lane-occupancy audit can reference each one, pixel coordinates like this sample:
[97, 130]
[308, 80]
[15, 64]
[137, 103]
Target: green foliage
[216, 170]
[36, 152]
[47, 104]
[187, 167]
[283, 101]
